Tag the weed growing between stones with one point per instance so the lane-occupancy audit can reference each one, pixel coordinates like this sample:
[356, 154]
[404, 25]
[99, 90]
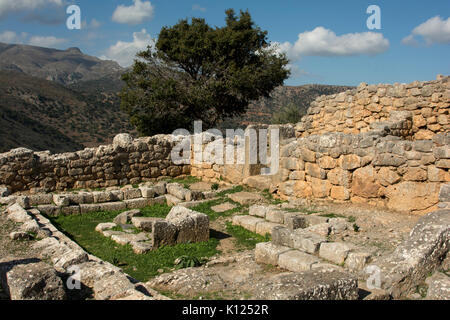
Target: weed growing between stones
[244, 238]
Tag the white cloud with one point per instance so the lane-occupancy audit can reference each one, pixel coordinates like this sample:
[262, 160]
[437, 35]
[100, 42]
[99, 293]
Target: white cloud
[324, 42]
[197, 7]
[42, 41]
[434, 30]
[9, 6]
[125, 52]
[25, 38]
[12, 37]
[410, 41]
[134, 14]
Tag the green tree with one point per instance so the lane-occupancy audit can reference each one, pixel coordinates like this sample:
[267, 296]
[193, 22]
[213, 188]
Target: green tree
[288, 114]
[197, 72]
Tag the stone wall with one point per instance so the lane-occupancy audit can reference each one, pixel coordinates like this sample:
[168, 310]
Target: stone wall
[354, 111]
[238, 171]
[126, 161]
[370, 168]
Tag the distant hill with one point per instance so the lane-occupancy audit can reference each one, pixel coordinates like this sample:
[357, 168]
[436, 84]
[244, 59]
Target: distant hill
[44, 115]
[64, 100]
[63, 66]
[261, 111]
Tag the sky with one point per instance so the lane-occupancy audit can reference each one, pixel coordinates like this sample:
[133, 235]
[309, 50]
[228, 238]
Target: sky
[327, 42]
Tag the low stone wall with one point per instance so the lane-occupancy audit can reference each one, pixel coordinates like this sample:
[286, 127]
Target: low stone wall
[384, 171]
[126, 161]
[355, 110]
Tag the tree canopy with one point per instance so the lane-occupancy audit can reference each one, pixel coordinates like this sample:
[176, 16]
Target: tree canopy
[199, 72]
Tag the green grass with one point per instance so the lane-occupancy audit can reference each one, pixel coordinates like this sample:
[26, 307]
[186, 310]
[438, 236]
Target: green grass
[205, 208]
[269, 197]
[245, 238]
[230, 191]
[81, 228]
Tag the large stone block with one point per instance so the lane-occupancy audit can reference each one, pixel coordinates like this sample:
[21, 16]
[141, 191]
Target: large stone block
[258, 210]
[306, 240]
[164, 234]
[125, 217]
[268, 253]
[365, 183]
[420, 254]
[144, 223]
[18, 214]
[282, 236]
[265, 227]
[31, 281]
[317, 284]
[246, 198]
[247, 222]
[296, 261]
[276, 216]
[412, 196]
[192, 226]
[334, 251]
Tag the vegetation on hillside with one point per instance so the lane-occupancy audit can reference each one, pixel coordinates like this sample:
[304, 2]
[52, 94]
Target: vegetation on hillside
[197, 72]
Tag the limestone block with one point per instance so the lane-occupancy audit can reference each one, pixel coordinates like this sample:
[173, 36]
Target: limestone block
[296, 261]
[268, 253]
[335, 252]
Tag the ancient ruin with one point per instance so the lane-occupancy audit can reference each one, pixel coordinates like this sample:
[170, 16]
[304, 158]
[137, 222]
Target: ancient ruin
[358, 209]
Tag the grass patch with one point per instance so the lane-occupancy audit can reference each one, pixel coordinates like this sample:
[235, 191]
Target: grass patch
[81, 228]
[230, 191]
[269, 197]
[245, 238]
[205, 208]
[156, 211]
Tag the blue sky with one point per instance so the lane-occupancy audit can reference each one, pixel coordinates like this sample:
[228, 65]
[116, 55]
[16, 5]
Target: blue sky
[327, 41]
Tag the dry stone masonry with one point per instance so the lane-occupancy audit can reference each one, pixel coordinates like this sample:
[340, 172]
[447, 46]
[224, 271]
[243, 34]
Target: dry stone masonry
[354, 111]
[126, 161]
[372, 168]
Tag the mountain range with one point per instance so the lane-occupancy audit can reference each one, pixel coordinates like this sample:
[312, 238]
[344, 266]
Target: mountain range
[64, 100]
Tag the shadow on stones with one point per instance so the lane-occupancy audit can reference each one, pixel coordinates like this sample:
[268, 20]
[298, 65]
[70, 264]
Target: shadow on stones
[218, 234]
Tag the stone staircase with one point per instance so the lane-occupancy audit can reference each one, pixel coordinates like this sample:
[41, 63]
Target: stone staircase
[300, 241]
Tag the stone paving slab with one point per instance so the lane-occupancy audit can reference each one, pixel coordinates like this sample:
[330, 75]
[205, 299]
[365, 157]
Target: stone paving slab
[335, 252]
[223, 207]
[247, 222]
[246, 198]
[265, 227]
[268, 253]
[296, 261]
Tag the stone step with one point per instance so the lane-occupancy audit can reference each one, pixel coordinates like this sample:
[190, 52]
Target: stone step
[55, 210]
[254, 224]
[301, 239]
